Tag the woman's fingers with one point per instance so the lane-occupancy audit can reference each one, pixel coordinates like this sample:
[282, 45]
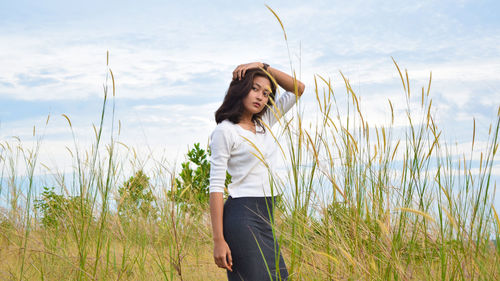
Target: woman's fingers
[230, 261]
[237, 73]
[224, 263]
[219, 261]
[240, 71]
[222, 257]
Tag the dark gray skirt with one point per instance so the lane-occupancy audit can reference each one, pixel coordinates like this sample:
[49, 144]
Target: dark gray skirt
[255, 252]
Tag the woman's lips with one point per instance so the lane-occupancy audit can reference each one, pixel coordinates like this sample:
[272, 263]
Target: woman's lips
[256, 104]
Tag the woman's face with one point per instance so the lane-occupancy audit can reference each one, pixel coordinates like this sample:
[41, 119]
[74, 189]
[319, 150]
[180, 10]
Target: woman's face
[258, 96]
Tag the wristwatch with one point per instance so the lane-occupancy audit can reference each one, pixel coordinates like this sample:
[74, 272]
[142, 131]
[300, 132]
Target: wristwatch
[265, 66]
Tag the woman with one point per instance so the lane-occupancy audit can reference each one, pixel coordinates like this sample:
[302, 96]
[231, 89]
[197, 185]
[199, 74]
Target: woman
[241, 144]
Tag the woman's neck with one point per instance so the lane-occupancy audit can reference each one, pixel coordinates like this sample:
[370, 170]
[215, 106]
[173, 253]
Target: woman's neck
[246, 118]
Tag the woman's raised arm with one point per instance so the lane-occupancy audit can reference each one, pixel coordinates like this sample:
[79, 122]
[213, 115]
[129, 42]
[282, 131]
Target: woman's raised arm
[286, 81]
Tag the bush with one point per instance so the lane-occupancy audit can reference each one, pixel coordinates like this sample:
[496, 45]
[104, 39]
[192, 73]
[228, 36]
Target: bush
[136, 198]
[192, 184]
[58, 211]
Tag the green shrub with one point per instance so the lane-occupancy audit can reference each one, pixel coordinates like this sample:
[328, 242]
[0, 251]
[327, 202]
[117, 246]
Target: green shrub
[192, 184]
[136, 198]
[58, 211]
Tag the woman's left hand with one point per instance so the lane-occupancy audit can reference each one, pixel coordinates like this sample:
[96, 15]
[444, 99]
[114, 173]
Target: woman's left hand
[240, 70]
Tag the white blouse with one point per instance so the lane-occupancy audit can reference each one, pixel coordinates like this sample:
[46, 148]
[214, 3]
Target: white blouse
[245, 154]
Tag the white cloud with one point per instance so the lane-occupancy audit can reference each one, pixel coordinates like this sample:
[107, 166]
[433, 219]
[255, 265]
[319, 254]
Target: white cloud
[187, 55]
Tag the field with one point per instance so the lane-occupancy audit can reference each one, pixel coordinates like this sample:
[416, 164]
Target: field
[361, 203]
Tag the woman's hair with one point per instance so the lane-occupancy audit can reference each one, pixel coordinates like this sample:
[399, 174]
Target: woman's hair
[232, 107]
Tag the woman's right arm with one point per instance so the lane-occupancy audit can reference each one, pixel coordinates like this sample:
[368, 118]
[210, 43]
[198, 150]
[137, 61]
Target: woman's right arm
[222, 253]
[220, 146]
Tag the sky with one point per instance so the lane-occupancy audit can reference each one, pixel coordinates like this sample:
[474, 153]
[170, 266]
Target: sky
[172, 63]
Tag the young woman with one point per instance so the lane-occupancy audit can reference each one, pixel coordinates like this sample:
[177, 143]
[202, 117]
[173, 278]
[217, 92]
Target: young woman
[242, 145]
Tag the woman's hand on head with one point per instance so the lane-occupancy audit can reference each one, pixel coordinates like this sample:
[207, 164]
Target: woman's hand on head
[222, 255]
[240, 70]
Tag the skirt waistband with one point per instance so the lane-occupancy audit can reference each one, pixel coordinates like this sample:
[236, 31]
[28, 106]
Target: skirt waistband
[257, 200]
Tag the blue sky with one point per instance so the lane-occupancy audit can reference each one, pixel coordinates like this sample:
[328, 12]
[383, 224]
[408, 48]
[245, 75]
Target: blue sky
[172, 62]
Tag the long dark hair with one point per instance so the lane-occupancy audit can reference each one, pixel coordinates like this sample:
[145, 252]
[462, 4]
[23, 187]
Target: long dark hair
[232, 107]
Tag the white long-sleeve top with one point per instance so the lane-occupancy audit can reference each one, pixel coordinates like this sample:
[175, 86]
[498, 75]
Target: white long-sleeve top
[245, 154]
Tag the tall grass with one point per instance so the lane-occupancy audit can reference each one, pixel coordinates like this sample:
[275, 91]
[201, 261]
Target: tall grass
[361, 203]
[427, 216]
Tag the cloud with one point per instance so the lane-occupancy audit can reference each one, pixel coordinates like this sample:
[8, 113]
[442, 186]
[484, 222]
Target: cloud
[171, 72]
[33, 80]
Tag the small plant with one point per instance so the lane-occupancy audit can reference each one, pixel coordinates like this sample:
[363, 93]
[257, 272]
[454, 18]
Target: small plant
[136, 197]
[57, 210]
[192, 184]
[51, 207]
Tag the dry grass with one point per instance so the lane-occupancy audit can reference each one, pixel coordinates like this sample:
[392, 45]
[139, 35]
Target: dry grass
[362, 204]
